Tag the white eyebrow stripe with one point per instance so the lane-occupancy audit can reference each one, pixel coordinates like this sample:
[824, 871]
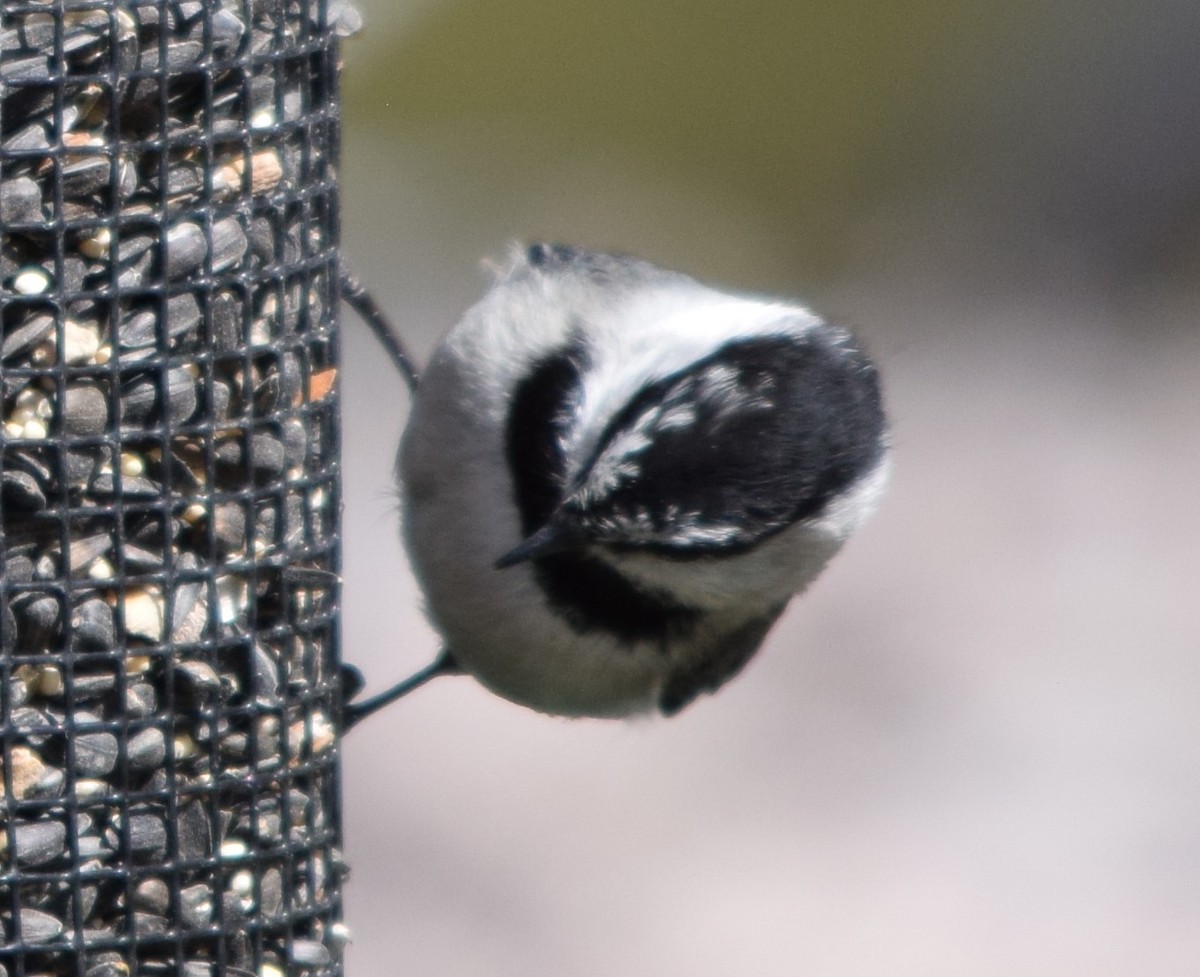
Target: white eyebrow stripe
[661, 334]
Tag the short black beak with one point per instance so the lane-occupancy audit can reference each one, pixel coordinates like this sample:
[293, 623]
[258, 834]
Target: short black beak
[554, 537]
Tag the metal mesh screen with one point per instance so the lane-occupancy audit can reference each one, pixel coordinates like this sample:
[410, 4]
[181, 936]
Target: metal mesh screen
[169, 476]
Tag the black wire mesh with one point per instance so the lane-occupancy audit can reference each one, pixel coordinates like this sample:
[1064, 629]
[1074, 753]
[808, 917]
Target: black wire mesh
[169, 476]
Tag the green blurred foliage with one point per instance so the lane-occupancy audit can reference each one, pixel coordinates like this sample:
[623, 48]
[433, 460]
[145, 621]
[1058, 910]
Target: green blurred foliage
[810, 110]
[1016, 133]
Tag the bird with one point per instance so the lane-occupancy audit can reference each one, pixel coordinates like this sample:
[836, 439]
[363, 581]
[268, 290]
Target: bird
[615, 478]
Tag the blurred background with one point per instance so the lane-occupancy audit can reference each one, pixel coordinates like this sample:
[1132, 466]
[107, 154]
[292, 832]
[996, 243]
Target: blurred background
[973, 748]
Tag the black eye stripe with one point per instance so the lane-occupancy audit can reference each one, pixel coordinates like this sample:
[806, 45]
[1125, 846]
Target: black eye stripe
[588, 593]
[533, 439]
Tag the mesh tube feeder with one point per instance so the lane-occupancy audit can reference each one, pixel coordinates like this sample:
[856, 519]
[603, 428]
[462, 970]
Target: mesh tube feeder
[169, 490]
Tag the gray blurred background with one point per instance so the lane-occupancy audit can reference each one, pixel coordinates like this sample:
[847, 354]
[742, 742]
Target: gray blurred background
[973, 748]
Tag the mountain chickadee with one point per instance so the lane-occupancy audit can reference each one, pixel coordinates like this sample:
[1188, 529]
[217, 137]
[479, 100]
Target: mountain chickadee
[615, 478]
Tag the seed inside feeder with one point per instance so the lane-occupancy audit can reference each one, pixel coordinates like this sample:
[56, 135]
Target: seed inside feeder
[167, 281]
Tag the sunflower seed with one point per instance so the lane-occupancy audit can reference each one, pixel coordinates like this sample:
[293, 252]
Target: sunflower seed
[92, 626]
[85, 409]
[21, 491]
[32, 926]
[20, 201]
[95, 753]
[27, 335]
[186, 249]
[38, 842]
[147, 749]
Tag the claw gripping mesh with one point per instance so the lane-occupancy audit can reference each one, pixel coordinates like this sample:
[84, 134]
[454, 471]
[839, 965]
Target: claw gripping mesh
[169, 488]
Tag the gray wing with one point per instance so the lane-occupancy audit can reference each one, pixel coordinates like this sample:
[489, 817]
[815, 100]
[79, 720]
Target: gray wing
[685, 684]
